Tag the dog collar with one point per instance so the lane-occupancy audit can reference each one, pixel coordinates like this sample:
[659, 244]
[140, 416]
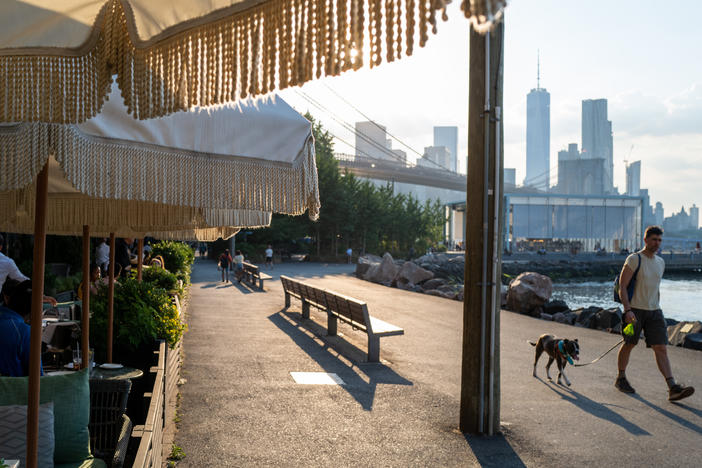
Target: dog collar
[561, 349]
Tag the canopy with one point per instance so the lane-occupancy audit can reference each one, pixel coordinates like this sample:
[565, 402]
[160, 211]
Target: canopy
[227, 165]
[170, 55]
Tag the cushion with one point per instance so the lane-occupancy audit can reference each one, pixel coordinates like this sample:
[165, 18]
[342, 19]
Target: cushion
[13, 433]
[71, 396]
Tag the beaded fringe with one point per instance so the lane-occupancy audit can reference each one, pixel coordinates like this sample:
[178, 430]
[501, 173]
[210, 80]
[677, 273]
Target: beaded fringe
[272, 45]
[107, 169]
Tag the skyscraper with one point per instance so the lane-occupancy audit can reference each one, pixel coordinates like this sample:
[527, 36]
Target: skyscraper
[659, 214]
[372, 141]
[448, 137]
[538, 162]
[597, 137]
[694, 216]
[633, 179]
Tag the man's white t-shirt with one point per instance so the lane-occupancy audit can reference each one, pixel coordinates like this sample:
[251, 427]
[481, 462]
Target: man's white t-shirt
[8, 268]
[648, 281]
[269, 252]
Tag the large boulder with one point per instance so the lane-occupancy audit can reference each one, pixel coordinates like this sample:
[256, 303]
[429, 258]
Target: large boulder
[365, 262]
[553, 307]
[606, 319]
[528, 291]
[583, 316]
[411, 273]
[693, 341]
[433, 284]
[384, 272]
[678, 332]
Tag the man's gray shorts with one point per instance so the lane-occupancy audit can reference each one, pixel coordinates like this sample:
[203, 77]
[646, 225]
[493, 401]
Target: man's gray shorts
[653, 325]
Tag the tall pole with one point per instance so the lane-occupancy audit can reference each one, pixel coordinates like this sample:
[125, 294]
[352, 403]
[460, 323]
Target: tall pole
[42, 186]
[480, 376]
[140, 258]
[85, 319]
[111, 298]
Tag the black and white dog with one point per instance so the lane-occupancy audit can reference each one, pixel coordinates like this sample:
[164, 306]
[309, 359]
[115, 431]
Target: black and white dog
[563, 351]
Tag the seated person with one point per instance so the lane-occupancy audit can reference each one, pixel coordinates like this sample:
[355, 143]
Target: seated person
[95, 281]
[14, 332]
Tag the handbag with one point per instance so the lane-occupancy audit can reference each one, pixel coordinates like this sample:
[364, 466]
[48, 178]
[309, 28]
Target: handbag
[219, 266]
[630, 287]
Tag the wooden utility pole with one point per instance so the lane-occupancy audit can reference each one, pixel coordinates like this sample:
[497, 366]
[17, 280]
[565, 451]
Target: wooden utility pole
[480, 378]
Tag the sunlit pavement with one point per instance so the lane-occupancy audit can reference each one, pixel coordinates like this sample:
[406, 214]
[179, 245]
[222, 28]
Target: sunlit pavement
[241, 406]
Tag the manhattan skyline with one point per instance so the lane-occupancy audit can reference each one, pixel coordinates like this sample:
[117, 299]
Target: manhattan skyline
[649, 71]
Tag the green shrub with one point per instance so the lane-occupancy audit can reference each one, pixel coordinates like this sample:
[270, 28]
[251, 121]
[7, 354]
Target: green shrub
[178, 256]
[161, 278]
[142, 313]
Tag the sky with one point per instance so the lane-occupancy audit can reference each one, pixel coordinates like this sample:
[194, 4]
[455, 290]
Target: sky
[644, 58]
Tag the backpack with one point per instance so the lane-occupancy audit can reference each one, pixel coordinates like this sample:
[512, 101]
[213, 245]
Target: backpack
[630, 287]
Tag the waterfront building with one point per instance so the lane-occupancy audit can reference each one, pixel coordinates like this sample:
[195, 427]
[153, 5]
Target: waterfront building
[597, 140]
[563, 223]
[578, 175]
[633, 179]
[448, 137]
[694, 217]
[682, 221]
[659, 214]
[538, 139]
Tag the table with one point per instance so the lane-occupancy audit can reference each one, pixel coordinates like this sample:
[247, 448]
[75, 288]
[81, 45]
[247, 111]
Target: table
[123, 373]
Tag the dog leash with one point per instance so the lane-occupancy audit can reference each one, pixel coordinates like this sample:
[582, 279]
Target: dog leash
[603, 355]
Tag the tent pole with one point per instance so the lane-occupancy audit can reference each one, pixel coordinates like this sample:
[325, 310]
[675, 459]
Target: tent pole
[85, 319]
[140, 257]
[36, 313]
[111, 298]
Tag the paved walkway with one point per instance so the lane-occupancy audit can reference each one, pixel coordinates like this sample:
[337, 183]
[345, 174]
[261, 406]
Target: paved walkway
[241, 407]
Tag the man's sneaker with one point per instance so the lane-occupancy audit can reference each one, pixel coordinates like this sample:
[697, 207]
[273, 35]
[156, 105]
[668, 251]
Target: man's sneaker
[623, 385]
[678, 392]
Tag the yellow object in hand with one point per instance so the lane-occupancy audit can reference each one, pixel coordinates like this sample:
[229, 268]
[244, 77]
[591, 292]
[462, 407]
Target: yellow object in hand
[629, 329]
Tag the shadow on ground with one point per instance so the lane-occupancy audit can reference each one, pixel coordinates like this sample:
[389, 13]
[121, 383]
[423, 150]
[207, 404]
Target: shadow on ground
[674, 417]
[494, 451]
[335, 355]
[594, 408]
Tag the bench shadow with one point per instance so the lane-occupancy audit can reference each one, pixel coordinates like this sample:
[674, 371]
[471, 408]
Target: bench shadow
[672, 416]
[494, 451]
[360, 378]
[243, 287]
[594, 408]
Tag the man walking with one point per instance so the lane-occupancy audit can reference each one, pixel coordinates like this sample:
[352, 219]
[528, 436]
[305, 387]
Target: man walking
[644, 312]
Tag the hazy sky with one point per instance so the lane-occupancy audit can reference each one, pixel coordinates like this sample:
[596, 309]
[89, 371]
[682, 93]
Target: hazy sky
[643, 57]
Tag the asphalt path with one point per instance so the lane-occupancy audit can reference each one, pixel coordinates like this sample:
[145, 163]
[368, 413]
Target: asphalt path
[241, 406]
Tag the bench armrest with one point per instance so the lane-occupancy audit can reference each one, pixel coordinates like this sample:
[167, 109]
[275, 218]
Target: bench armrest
[382, 328]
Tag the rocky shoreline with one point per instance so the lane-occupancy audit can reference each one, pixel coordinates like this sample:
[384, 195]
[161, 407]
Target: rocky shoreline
[528, 293]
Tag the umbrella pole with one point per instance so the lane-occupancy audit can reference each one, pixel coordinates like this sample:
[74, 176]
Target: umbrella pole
[111, 298]
[36, 313]
[85, 319]
[140, 256]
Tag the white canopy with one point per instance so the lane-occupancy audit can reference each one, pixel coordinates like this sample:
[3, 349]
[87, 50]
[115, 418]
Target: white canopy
[228, 165]
[170, 55]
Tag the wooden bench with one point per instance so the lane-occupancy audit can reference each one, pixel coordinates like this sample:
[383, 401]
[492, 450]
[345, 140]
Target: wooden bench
[340, 307]
[252, 275]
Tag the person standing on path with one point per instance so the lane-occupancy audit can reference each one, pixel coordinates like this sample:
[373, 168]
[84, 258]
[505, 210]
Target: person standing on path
[645, 313]
[269, 256]
[102, 256]
[224, 261]
[239, 265]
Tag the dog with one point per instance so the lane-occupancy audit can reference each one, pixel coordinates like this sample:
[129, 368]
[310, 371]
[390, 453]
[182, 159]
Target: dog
[560, 350]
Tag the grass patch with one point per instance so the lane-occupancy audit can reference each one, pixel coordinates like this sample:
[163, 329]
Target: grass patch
[177, 453]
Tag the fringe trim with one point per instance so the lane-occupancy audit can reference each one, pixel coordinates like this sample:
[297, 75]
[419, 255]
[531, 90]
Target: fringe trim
[483, 14]
[229, 55]
[110, 169]
[66, 214]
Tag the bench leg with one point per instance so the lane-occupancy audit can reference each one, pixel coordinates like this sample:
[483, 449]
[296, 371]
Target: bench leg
[260, 283]
[373, 348]
[331, 324]
[287, 300]
[305, 309]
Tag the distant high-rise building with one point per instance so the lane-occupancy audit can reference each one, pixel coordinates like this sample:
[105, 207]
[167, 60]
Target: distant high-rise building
[538, 162]
[510, 177]
[658, 214]
[597, 138]
[400, 156]
[448, 137]
[633, 179]
[435, 157]
[372, 141]
[694, 217]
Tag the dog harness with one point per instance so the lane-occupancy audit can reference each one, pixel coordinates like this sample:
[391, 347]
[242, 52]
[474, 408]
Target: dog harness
[562, 351]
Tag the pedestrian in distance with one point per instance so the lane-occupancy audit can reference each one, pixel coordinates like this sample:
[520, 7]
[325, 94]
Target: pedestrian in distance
[269, 257]
[644, 312]
[349, 255]
[225, 261]
[239, 266]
